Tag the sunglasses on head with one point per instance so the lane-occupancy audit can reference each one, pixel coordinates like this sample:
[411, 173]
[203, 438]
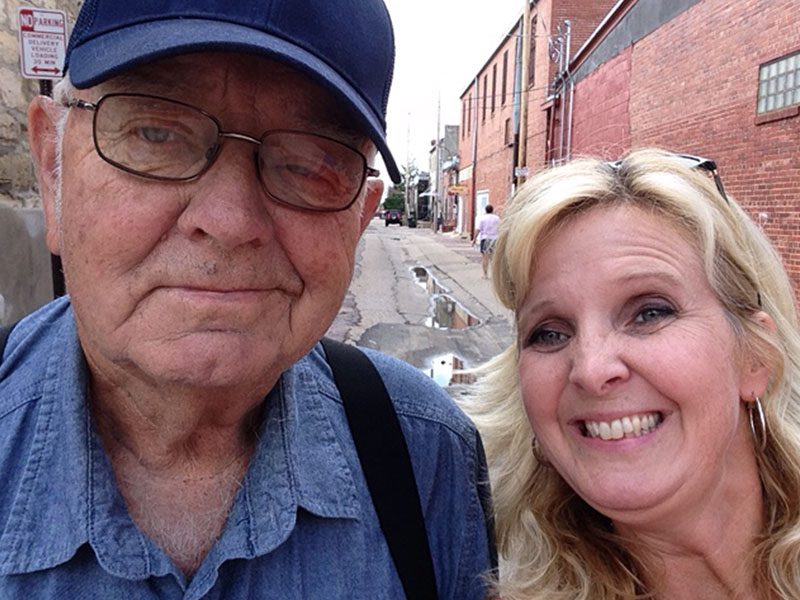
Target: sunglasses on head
[694, 162]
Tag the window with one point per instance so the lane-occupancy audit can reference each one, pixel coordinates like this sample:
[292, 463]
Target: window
[779, 83]
[463, 118]
[494, 86]
[505, 78]
[469, 114]
[532, 55]
[508, 137]
[485, 98]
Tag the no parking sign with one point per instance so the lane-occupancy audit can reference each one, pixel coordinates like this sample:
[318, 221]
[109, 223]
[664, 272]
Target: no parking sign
[42, 42]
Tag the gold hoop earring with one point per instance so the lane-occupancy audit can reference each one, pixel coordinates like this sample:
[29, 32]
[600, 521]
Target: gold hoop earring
[758, 424]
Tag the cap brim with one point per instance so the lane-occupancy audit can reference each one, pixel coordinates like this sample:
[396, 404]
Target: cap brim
[110, 54]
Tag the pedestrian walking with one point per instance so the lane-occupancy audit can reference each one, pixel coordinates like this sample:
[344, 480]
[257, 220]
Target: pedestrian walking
[486, 234]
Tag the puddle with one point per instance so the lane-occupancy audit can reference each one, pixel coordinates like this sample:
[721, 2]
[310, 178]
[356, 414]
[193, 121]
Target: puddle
[427, 281]
[446, 312]
[445, 370]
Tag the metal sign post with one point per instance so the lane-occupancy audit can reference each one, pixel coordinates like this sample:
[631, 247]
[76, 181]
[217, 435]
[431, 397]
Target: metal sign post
[42, 48]
[42, 42]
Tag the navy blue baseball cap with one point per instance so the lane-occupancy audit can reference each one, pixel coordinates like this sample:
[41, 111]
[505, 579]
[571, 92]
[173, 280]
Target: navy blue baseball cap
[347, 46]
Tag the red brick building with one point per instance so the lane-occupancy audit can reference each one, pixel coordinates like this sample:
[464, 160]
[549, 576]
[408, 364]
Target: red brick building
[710, 77]
[486, 138]
[492, 115]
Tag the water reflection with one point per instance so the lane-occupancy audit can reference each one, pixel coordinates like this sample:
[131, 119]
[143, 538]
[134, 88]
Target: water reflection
[446, 312]
[447, 370]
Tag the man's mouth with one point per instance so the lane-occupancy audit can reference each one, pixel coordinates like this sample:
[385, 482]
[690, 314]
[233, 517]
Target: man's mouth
[625, 427]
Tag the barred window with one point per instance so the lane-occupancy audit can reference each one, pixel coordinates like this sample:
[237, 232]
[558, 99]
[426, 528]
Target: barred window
[485, 95]
[505, 78]
[779, 83]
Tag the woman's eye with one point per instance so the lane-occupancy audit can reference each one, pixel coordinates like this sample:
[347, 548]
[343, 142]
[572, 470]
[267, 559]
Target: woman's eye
[654, 314]
[547, 338]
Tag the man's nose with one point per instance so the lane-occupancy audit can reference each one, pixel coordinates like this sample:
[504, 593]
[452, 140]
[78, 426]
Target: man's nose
[598, 364]
[228, 204]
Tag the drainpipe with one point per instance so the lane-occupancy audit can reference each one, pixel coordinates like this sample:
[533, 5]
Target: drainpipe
[571, 89]
[523, 107]
[516, 110]
[471, 224]
[560, 94]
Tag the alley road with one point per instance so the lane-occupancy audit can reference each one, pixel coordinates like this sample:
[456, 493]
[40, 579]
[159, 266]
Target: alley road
[388, 307]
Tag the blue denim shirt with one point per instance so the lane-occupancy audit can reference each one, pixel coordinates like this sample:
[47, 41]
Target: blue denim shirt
[302, 525]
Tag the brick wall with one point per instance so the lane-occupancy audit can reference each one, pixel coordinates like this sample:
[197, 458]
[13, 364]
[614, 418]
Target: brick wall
[17, 179]
[584, 16]
[495, 152]
[545, 118]
[495, 156]
[466, 159]
[536, 147]
[494, 164]
[601, 122]
[711, 79]
[693, 87]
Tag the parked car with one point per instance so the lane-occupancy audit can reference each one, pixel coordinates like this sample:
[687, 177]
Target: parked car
[392, 215]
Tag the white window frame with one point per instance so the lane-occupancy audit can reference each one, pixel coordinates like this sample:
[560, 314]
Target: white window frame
[779, 84]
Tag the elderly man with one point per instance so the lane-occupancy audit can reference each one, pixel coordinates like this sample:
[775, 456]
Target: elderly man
[172, 429]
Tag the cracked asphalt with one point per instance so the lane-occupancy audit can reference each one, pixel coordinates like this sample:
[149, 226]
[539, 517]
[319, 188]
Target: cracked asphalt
[387, 308]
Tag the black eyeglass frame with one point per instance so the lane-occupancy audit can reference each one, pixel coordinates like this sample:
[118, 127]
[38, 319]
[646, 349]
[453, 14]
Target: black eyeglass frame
[222, 134]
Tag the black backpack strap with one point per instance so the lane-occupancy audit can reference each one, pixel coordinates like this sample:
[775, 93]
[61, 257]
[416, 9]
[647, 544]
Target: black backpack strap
[4, 333]
[386, 463]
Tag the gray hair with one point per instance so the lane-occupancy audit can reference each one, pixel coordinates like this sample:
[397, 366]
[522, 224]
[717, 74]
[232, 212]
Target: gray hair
[62, 91]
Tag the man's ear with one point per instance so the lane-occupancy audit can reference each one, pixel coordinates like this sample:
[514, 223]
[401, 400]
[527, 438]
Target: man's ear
[43, 114]
[371, 201]
[755, 374]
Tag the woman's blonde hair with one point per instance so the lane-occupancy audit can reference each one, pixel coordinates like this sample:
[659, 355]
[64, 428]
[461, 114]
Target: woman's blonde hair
[552, 544]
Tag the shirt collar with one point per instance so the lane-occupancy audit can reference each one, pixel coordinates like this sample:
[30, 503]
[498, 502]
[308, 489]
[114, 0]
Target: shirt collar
[48, 519]
[300, 462]
[68, 498]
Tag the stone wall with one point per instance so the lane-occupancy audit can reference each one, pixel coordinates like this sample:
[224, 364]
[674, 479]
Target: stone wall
[25, 271]
[17, 179]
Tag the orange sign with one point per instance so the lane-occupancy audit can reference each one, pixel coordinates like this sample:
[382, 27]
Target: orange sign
[457, 189]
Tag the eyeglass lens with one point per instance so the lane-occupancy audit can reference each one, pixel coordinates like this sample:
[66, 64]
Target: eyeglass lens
[163, 139]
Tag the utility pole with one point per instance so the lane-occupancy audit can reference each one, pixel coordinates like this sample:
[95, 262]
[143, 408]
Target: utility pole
[407, 190]
[437, 199]
[523, 107]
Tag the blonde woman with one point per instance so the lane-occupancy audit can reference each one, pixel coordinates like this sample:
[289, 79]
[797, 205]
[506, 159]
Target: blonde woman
[643, 432]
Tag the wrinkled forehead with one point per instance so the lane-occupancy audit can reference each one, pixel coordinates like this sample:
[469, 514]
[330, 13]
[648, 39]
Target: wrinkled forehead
[241, 89]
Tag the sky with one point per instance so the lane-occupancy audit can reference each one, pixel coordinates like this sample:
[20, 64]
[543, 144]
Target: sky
[440, 46]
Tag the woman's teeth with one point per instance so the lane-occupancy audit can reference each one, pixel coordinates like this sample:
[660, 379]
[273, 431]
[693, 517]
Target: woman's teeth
[626, 427]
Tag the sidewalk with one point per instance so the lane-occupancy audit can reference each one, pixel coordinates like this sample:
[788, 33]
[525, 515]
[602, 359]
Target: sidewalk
[395, 302]
[455, 262]
[455, 241]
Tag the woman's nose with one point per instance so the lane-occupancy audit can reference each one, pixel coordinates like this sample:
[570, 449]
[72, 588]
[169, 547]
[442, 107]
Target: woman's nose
[597, 362]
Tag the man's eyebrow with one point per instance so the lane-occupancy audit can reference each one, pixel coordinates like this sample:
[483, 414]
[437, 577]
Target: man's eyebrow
[333, 128]
[322, 116]
[327, 117]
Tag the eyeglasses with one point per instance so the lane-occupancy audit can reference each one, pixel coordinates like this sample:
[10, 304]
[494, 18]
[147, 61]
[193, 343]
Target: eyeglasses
[694, 162]
[167, 140]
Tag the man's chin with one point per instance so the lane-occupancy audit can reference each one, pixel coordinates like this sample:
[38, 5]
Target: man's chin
[212, 361]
